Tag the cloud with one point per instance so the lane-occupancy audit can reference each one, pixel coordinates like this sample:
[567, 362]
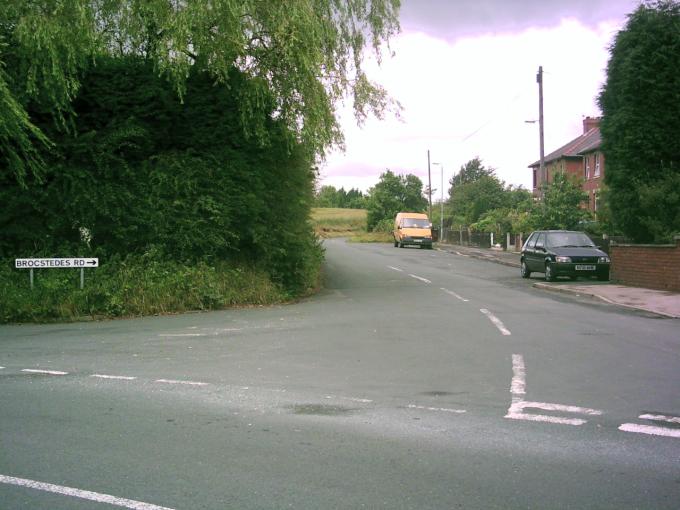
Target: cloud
[453, 19]
[470, 97]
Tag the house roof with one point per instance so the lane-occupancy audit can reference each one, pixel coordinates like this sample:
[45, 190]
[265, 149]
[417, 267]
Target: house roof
[576, 148]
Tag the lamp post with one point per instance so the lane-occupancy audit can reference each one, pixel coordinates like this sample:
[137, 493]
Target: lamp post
[441, 205]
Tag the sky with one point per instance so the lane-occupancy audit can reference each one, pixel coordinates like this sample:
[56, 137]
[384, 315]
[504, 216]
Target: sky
[464, 72]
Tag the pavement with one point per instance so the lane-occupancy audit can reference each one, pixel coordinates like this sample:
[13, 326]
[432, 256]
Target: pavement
[658, 302]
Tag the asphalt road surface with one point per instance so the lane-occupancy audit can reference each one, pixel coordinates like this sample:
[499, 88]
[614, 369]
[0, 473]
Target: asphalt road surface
[417, 379]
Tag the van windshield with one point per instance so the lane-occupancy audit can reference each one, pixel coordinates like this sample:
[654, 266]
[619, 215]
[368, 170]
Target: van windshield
[415, 223]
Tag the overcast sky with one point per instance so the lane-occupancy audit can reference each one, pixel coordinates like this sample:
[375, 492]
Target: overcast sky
[465, 74]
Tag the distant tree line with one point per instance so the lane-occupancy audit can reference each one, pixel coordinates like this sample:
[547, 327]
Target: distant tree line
[329, 196]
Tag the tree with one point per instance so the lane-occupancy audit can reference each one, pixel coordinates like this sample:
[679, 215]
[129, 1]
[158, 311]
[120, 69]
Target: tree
[474, 191]
[306, 54]
[561, 205]
[392, 194]
[640, 128]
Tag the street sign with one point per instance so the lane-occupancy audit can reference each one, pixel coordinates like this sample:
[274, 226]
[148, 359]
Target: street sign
[56, 263]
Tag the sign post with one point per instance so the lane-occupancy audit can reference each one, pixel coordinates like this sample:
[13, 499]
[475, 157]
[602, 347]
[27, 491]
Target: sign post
[57, 263]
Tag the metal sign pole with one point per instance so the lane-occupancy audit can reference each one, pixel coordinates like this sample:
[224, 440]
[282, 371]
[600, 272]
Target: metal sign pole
[82, 278]
[31, 278]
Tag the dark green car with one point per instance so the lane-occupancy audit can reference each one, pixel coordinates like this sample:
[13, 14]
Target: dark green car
[563, 253]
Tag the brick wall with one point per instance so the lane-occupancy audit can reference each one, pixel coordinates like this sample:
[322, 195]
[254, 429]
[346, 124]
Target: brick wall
[649, 266]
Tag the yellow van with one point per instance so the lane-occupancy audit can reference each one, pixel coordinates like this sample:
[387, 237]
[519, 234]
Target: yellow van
[412, 229]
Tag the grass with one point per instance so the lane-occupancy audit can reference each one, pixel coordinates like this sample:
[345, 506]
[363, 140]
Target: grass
[134, 286]
[350, 223]
[335, 222]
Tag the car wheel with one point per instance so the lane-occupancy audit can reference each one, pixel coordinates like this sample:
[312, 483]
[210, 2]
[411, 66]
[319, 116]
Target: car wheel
[396, 243]
[524, 270]
[549, 272]
[603, 277]
[401, 245]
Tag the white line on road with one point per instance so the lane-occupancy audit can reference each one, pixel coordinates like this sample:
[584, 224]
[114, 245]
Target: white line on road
[396, 269]
[660, 417]
[352, 399]
[650, 430]
[189, 383]
[518, 390]
[462, 254]
[46, 372]
[1, 368]
[518, 386]
[123, 377]
[420, 278]
[440, 409]
[451, 293]
[78, 493]
[496, 321]
[182, 334]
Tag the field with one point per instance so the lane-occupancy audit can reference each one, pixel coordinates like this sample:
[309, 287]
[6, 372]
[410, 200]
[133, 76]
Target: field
[350, 223]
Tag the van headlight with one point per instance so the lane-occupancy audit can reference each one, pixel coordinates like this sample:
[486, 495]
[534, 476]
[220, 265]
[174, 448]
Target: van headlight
[604, 260]
[563, 260]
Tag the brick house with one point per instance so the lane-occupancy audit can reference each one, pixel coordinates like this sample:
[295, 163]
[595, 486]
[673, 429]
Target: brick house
[580, 158]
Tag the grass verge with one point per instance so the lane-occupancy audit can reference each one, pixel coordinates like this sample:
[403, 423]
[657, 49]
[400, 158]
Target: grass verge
[134, 286]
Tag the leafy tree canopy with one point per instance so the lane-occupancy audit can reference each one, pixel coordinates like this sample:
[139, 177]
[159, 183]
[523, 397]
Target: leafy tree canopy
[305, 55]
[474, 191]
[561, 205]
[392, 194]
[640, 102]
[328, 196]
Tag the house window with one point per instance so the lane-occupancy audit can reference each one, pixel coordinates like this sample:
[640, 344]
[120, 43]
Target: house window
[596, 199]
[597, 164]
[586, 163]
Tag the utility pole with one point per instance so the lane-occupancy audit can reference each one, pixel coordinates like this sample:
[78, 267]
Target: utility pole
[544, 176]
[429, 184]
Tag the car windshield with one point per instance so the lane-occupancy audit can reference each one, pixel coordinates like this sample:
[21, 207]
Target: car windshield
[415, 223]
[568, 240]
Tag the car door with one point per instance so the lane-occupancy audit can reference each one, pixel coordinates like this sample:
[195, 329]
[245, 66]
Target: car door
[528, 250]
[538, 254]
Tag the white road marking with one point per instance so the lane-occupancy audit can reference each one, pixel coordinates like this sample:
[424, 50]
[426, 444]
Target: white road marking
[420, 278]
[650, 430]
[123, 377]
[451, 293]
[518, 387]
[559, 407]
[518, 390]
[78, 493]
[462, 254]
[183, 334]
[660, 417]
[396, 269]
[440, 409]
[352, 399]
[174, 381]
[46, 372]
[2, 368]
[496, 321]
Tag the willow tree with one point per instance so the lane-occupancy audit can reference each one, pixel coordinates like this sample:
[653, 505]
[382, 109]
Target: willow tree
[307, 53]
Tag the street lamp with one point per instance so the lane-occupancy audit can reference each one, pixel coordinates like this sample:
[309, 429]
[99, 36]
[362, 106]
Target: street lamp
[441, 215]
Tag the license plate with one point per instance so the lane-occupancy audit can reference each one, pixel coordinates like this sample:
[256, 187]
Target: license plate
[418, 240]
[585, 268]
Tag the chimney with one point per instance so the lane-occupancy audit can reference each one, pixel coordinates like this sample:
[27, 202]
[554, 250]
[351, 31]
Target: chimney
[590, 123]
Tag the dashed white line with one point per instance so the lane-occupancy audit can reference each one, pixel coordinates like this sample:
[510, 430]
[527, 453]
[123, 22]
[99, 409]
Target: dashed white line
[451, 293]
[46, 372]
[1, 368]
[78, 493]
[182, 334]
[650, 430]
[352, 399]
[438, 409]
[660, 417]
[518, 386]
[396, 269]
[174, 381]
[122, 377]
[496, 321]
[420, 278]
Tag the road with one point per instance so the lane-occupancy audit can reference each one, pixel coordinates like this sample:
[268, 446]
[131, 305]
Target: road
[416, 379]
